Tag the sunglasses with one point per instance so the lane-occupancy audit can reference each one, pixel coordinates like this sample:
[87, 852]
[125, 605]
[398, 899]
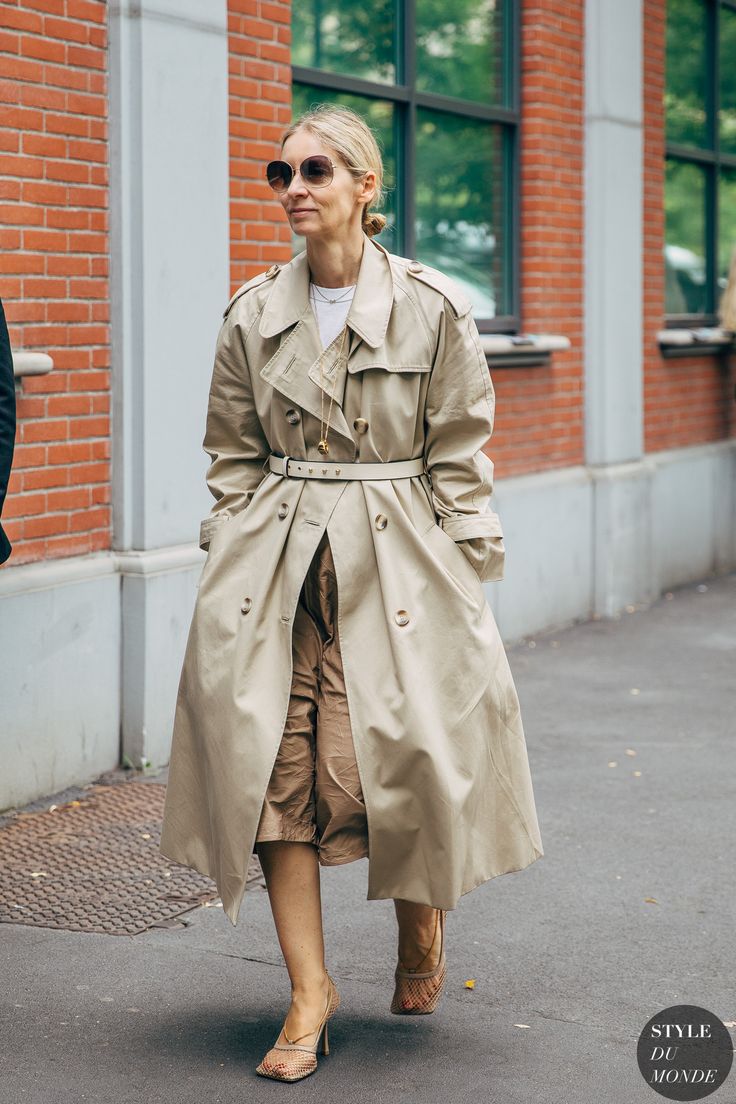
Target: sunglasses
[317, 172]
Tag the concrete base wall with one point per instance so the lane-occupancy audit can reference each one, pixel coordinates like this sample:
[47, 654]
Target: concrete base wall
[81, 637]
[588, 541]
[92, 650]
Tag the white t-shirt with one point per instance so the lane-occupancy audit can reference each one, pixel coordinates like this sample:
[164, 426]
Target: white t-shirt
[330, 316]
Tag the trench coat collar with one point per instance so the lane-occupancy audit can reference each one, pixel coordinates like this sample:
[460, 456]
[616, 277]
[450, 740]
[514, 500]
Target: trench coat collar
[300, 368]
[369, 311]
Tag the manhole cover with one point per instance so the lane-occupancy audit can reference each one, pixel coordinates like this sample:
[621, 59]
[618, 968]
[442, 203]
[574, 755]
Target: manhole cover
[94, 865]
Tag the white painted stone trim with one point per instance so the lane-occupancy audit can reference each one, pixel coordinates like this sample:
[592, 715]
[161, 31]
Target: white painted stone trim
[31, 364]
[48, 574]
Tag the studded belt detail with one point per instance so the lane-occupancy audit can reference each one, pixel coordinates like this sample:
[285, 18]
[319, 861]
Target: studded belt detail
[318, 469]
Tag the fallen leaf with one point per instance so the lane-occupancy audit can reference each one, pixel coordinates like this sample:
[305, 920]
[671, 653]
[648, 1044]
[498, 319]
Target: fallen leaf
[39, 874]
[636, 774]
[613, 763]
[470, 983]
[651, 900]
[635, 691]
[521, 1025]
[630, 751]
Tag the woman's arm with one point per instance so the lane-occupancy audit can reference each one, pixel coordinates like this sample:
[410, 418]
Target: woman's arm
[234, 438]
[458, 419]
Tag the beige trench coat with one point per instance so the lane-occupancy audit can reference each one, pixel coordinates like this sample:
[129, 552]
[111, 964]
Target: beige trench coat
[434, 712]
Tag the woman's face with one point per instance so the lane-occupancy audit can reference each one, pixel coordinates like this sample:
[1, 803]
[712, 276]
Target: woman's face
[330, 211]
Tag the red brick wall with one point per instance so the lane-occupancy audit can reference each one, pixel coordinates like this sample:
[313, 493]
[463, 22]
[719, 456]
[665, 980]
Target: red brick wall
[539, 417]
[54, 272]
[259, 33]
[686, 401]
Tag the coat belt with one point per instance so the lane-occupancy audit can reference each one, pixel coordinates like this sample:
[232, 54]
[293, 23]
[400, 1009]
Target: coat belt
[295, 467]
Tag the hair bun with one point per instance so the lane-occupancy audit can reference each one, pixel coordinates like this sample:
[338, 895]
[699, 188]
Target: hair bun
[374, 223]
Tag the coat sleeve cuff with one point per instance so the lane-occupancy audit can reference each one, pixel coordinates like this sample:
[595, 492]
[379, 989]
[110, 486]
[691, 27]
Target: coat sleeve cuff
[208, 527]
[464, 526]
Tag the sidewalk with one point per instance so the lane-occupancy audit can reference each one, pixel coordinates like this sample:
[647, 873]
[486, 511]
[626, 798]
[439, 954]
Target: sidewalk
[631, 910]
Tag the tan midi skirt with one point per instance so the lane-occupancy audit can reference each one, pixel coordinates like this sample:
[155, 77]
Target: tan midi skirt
[314, 793]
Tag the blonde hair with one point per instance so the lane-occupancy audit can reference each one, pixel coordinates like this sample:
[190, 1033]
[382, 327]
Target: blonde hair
[348, 134]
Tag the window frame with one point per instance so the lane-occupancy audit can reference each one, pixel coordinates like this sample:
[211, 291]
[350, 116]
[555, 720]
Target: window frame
[407, 99]
[711, 161]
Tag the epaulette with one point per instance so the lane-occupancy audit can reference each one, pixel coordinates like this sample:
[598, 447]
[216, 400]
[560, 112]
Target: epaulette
[253, 282]
[444, 284]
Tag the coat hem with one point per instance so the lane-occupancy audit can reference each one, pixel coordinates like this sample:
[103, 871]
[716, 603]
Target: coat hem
[444, 904]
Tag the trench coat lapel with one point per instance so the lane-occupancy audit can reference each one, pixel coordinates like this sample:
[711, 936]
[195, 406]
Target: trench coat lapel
[300, 368]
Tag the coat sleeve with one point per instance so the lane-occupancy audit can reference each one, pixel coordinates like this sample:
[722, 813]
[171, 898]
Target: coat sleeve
[234, 438]
[458, 418]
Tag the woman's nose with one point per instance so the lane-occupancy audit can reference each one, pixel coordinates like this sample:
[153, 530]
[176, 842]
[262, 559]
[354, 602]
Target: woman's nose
[296, 187]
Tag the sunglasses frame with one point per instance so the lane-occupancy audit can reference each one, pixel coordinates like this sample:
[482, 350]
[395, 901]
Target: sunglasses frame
[314, 156]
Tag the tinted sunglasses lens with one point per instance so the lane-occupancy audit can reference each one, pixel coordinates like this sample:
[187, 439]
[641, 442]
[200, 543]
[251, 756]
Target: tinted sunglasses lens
[317, 171]
[279, 174]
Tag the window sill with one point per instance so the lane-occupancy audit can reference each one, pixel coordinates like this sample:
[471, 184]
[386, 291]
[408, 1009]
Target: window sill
[521, 350]
[704, 341]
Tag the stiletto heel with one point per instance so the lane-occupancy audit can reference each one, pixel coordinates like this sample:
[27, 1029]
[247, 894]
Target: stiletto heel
[304, 1061]
[418, 993]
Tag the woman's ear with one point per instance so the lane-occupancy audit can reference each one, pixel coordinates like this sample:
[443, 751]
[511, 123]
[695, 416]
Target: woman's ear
[368, 189]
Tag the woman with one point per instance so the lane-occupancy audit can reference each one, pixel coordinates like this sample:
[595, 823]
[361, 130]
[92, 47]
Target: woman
[345, 692]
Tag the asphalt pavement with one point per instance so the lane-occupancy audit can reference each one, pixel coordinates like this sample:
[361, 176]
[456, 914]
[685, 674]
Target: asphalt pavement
[631, 732]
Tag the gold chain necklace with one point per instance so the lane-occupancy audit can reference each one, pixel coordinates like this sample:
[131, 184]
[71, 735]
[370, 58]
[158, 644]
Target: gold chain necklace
[323, 447]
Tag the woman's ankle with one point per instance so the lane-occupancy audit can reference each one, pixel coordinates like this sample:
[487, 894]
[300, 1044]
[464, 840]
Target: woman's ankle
[309, 985]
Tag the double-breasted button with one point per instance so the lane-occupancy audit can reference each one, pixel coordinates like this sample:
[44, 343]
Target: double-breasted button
[401, 617]
[416, 266]
[247, 603]
[381, 521]
[360, 424]
[293, 416]
[283, 509]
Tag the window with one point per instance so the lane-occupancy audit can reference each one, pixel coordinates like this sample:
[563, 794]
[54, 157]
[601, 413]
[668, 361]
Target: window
[700, 169]
[437, 80]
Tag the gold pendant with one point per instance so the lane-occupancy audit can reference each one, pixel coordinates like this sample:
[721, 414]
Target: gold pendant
[323, 446]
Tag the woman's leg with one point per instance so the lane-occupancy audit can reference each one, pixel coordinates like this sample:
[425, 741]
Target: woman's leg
[285, 840]
[291, 871]
[417, 929]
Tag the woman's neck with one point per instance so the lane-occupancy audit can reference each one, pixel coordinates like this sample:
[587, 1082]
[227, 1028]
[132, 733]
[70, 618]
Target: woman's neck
[335, 264]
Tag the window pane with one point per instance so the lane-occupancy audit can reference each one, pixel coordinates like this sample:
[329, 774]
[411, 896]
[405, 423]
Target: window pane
[460, 48]
[684, 251]
[460, 225]
[379, 115]
[726, 226]
[727, 47]
[346, 36]
[685, 97]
